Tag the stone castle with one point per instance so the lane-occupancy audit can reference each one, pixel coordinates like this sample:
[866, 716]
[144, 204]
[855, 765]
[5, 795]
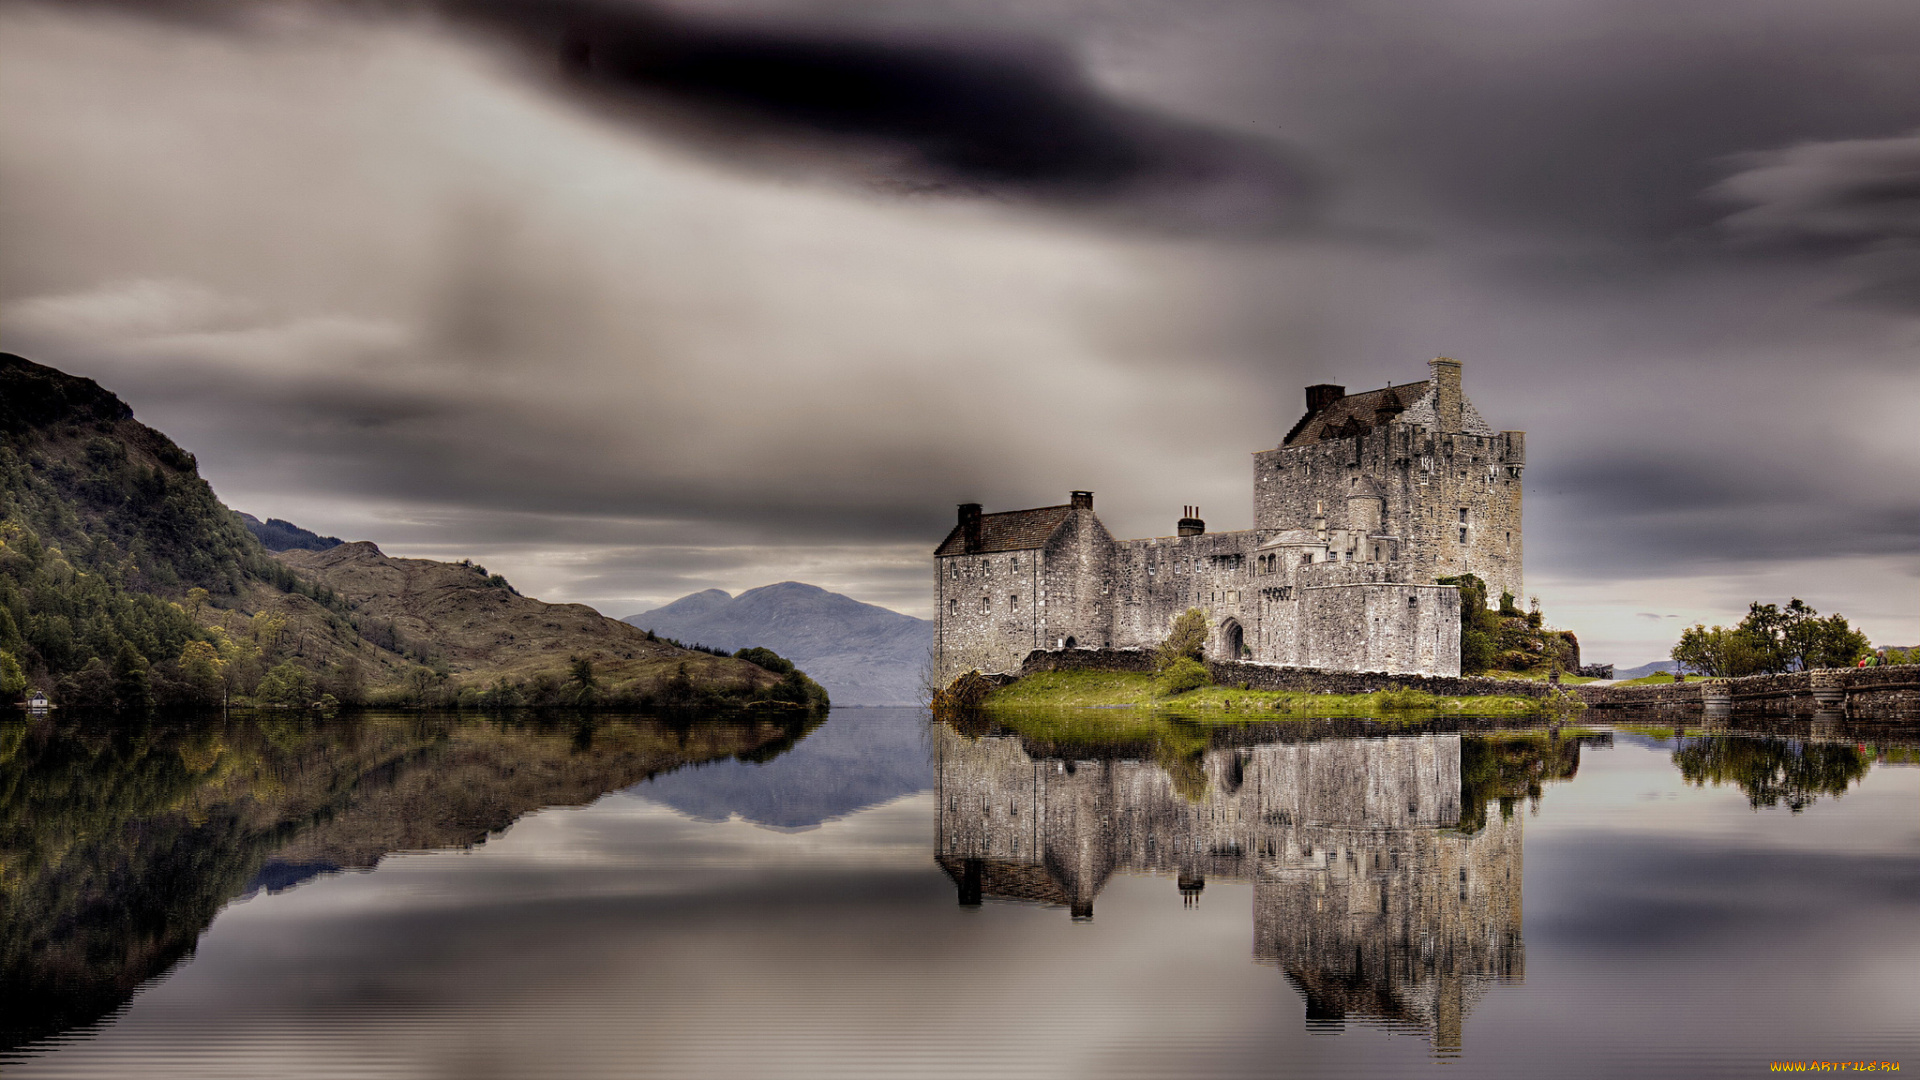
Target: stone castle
[1367, 501]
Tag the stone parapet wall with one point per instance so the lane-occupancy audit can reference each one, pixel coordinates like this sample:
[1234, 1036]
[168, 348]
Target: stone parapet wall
[1292, 679]
[1882, 692]
[1087, 660]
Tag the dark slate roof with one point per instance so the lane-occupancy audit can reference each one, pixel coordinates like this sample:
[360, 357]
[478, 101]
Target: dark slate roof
[1354, 409]
[1014, 530]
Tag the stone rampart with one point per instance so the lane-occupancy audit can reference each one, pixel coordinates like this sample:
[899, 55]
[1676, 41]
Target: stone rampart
[1087, 660]
[1292, 679]
[1873, 693]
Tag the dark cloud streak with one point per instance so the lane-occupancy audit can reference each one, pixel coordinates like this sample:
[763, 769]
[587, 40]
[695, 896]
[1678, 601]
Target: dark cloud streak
[954, 114]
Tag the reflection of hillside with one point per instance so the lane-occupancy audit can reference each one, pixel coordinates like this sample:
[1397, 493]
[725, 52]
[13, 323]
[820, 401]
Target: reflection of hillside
[1368, 891]
[118, 847]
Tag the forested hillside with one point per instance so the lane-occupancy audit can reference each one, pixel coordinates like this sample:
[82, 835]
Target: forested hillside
[125, 582]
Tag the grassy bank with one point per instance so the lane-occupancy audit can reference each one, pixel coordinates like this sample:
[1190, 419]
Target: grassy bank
[1540, 676]
[1054, 690]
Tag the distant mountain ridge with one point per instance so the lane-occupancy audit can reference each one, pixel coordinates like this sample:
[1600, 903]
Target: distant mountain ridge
[862, 653]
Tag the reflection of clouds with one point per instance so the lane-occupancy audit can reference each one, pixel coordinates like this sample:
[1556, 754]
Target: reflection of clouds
[565, 853]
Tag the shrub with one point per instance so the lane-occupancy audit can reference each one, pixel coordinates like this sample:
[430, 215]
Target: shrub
[1404, 698]
[1182, 675]
[1186, 641]
[766, 659]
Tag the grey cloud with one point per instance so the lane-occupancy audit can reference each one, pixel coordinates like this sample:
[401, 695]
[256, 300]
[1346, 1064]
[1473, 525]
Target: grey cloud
[962, 112]
[1673, 516]
[1850, 193]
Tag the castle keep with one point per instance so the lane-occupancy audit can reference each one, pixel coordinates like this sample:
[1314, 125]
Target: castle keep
[1368, 499]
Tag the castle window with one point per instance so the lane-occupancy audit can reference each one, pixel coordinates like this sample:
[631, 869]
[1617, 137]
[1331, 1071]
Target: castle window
[986, 606]
[1463, 534]
[1013, 601]
[953, 607]
[1463, 515]
[1413, 599]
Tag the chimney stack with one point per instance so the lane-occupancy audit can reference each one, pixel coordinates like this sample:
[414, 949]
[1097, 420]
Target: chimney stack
[1321, 395]
[1083, 500]
[1191, 525]
[1446, 392]
[970, 526]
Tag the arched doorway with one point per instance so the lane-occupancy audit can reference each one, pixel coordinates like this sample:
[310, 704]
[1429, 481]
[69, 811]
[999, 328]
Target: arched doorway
[1233, 640]
[1069, 644]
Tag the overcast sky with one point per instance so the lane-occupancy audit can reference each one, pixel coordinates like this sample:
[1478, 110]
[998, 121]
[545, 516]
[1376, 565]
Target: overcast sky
[630, 301]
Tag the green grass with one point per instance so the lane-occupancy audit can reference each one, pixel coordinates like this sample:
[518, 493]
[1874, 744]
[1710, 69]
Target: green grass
[1658, 678]
[1078, 690]
[1537, 676]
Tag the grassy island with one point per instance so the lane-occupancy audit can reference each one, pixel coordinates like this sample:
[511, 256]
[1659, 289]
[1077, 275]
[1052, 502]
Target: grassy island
[1124, 689]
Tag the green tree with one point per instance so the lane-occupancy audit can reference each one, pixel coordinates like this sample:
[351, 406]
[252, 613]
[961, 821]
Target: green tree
[13, 681]
[287, 686]
[1719, 651]
[200, 673]
[1187, 640]
[582, 684]
[131, 688]
[1479, 626]
[1807, 641]
[1771, 639]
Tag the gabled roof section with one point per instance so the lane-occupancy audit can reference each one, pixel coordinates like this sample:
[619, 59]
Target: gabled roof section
[1014, 530]
[1353, 413]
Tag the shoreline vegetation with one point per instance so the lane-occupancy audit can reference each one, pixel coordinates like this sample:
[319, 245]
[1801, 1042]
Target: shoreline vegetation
[1126, 690]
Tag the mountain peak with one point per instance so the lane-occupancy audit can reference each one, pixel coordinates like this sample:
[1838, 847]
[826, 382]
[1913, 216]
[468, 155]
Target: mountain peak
[862, 653]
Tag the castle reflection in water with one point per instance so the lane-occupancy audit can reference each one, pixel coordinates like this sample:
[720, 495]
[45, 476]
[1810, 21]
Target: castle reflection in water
[1376, 895]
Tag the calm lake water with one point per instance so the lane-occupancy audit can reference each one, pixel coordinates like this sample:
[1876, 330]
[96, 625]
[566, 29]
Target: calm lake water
[884, 895]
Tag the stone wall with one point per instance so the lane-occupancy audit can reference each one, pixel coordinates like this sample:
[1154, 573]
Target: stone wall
[1157, 579]
[1890, 693]
[1398, 628]
[1272, 677]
